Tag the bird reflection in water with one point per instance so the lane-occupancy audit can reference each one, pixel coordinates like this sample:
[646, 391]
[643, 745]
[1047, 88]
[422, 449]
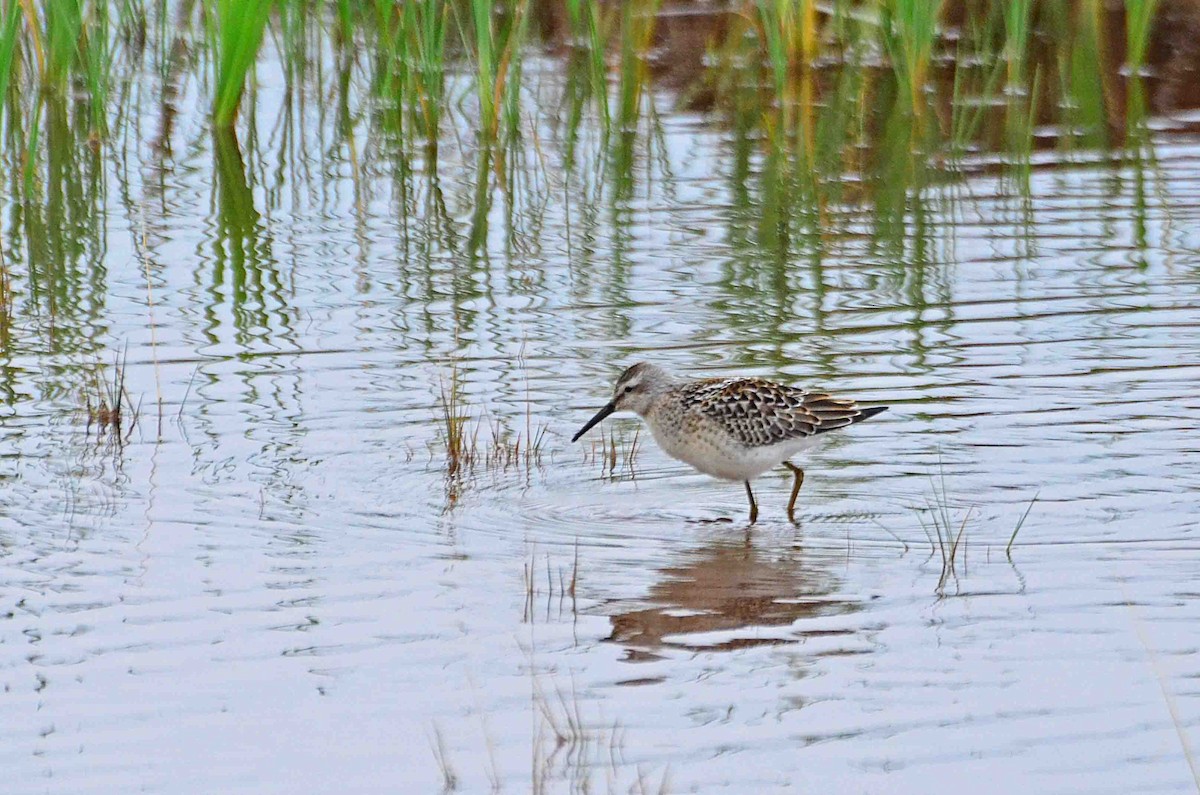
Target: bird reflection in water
[728, 595]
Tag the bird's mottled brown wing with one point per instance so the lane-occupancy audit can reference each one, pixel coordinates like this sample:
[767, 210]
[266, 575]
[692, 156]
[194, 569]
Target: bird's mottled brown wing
[758, 412]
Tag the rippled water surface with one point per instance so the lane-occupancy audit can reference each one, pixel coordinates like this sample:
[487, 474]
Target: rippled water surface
[275, 586]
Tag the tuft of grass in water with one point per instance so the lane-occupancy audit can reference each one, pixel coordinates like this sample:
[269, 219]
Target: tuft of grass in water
[576, 750]
[438, 744]
[506, 450]
[62, 24]
[1084, 91]
[558, 586]
[572, 750]
[97, 52]
[1139, 19]
[970, 100]
[946, 534]
[1020, 523]
[612, 454]
[462, 443]
[638, 20]
[10, 21]
[909, 30]
[483, 28]
[420, 44]
[587, 32]
[1020, 120]
[467, 450]
[1018, 17]
[107, 403]
[237, 29]
[497, 44]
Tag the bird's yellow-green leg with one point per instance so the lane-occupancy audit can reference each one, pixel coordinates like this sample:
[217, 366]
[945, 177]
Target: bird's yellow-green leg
[799, 473]
[753, 504]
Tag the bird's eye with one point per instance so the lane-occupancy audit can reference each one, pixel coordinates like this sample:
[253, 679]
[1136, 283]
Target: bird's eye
[628, 389]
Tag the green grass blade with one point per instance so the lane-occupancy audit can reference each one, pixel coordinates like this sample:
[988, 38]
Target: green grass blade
[9, 29]
[240, 25]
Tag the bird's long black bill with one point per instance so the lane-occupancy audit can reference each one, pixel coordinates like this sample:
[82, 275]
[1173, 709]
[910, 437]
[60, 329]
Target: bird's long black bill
[601, 414]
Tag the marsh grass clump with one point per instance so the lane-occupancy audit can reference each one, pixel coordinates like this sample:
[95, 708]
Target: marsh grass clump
[555, 586]
[909, 29]
[461, 444]
[613, 454]
[468, 449]
[573, 750]
[419, 44]
[10, 20]
[945, 532]
[507, 449]
[107, 404]
[579, 751]
[829, 90]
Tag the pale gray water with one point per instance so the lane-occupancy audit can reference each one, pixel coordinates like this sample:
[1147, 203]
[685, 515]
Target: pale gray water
[283, 593]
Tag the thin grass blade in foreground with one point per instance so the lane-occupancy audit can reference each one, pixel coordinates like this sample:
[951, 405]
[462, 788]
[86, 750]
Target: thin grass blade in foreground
[1021, 523]
[239, 31]
[1139, 19]
[9, 25]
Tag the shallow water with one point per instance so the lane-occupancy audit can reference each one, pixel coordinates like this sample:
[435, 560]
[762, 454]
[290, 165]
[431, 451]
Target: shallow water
[274, 586]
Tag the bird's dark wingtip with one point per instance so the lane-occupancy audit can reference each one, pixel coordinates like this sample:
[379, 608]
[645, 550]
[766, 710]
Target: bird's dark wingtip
[871, 412]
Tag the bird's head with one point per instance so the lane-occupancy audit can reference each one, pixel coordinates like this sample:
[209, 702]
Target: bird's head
[635, 391]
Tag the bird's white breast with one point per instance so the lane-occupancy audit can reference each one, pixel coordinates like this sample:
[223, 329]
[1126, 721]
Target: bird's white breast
[715, 453]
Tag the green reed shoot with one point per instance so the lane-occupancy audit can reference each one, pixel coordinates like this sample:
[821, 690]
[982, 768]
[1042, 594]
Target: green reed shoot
[291, 24]
[1018, 27]
[837, 128]
[97, 53]
[508, 94]
[390, 71]
[789, 29]
[425, 25]
[410, 43]
[497, 43]
[638, 20]
[973, 91]
[239, 27]
[773, 23]
[1086, 105]
[909, 30]
[587, 31]
[483, 27]
[1139, 18]
[461, 443]
[56, 40]
[1020, 121]
[9, 28]
[345, 21]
